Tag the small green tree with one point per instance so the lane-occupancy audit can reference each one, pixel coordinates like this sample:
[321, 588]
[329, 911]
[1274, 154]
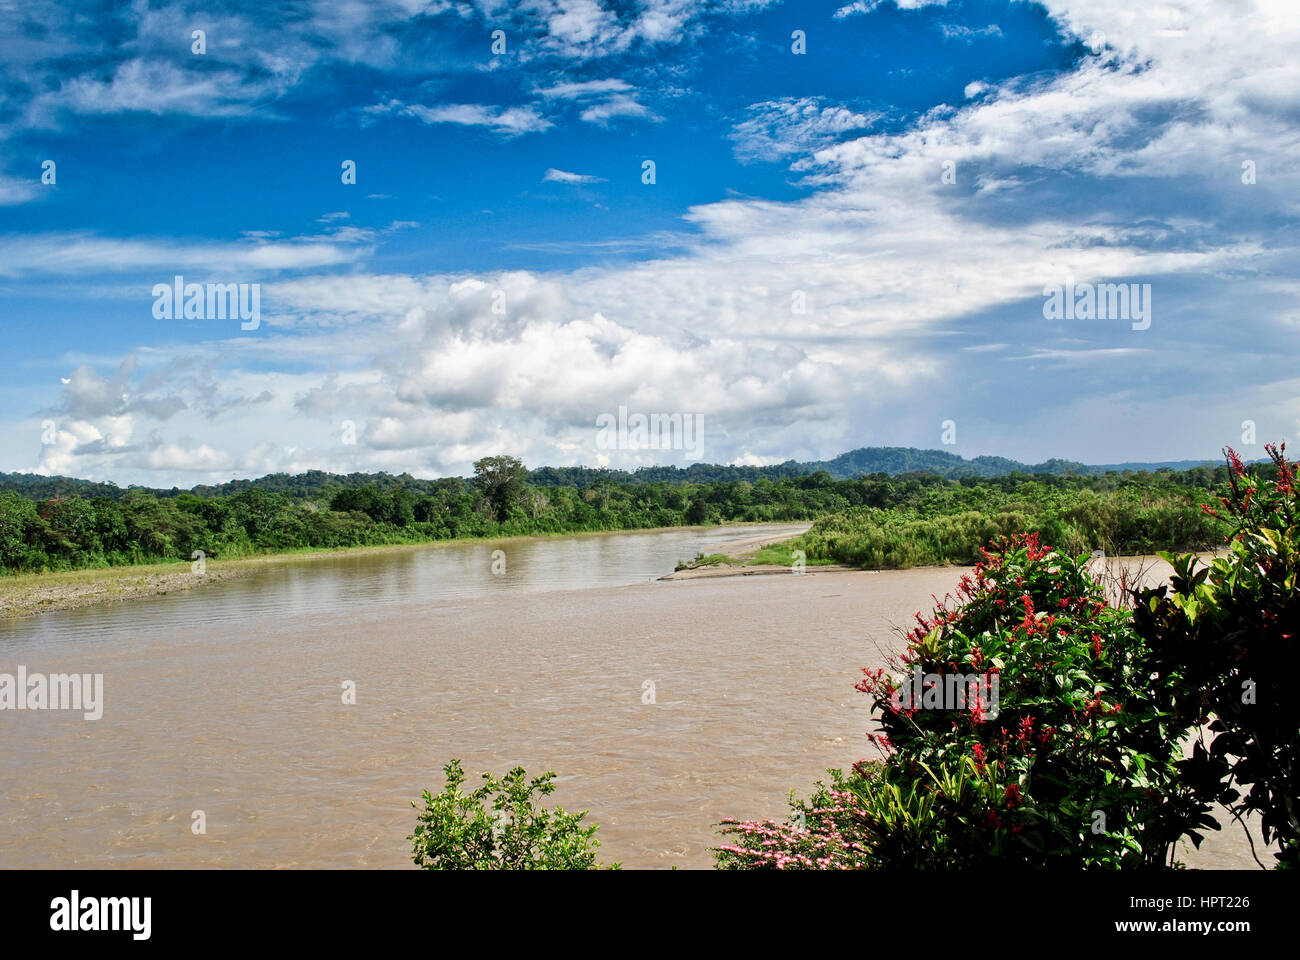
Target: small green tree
[499, 827]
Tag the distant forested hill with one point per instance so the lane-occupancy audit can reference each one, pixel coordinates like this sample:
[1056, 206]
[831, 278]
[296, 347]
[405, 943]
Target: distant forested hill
[847, 466]
[867, 460]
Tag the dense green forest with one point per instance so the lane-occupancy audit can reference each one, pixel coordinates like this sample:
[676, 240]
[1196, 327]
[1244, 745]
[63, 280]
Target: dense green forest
[40, 531]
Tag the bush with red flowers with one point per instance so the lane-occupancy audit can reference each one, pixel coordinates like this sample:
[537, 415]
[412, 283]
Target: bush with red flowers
[1058, 756]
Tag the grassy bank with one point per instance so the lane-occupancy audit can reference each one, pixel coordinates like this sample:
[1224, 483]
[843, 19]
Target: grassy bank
[782, 555]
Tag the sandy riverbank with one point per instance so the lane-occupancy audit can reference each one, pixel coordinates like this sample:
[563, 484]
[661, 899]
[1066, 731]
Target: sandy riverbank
[29, 594]
[741, 551]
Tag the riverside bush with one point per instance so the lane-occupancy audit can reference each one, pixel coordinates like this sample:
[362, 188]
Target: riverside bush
[499, 827]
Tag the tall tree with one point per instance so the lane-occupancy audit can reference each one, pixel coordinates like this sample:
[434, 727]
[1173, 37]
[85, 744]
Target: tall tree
[503, 481]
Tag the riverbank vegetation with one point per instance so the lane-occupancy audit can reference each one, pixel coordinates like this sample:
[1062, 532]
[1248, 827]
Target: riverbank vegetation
[949, 523]
[875, 520]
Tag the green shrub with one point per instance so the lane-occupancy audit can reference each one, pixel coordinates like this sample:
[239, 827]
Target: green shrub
[499, 827]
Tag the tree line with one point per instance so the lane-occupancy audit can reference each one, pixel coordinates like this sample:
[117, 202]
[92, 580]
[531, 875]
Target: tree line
[71, 531]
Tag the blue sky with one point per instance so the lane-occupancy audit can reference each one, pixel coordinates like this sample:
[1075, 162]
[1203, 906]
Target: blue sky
[500, 275]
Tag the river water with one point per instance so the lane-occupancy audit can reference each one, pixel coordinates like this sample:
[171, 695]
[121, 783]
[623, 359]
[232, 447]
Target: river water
[229, 700]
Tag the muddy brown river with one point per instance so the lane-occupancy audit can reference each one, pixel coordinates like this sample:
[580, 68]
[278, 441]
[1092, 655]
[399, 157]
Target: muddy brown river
[229, 700]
